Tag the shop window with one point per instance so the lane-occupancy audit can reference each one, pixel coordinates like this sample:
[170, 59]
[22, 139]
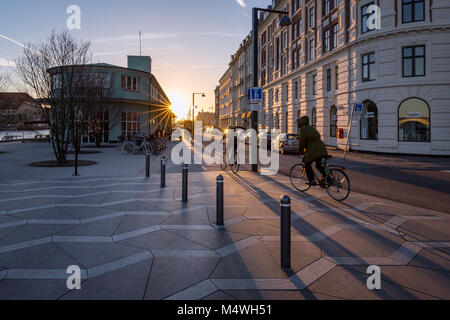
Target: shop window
[369, 121]
[414, 121]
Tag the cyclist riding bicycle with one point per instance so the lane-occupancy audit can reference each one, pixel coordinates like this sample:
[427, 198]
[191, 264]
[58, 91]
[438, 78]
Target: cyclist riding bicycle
[313, 149]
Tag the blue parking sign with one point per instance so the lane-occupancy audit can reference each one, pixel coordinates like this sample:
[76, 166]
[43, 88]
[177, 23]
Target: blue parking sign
[255, 95]
[358, 108]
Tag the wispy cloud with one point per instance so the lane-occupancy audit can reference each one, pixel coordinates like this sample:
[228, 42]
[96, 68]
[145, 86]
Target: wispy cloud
[7, 63]
[161, 36]
[241, 3]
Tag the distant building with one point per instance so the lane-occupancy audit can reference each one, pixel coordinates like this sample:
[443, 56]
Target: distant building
[17, 111]
[137, 103]
[207, 118]
[225, 115]
[216, 106]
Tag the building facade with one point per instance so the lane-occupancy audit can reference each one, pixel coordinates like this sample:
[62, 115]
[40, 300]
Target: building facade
[135, 102]
[225, 100]
[331, 58]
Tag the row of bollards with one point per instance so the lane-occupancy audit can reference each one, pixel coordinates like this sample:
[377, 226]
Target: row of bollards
[163, 169]
[285, 209]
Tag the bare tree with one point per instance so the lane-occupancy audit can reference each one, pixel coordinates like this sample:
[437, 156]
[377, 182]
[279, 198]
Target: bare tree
[53, 73]
[99, 116]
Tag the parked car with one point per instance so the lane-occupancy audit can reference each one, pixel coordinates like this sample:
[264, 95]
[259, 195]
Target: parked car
[288, 142]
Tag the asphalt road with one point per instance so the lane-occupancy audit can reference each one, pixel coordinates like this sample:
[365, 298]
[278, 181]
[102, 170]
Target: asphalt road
[417, 181]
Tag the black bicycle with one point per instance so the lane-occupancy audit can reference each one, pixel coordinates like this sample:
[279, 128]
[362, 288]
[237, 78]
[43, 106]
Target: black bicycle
[335, 182]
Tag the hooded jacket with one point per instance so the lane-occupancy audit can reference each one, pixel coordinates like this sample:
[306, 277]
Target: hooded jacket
[310, 141]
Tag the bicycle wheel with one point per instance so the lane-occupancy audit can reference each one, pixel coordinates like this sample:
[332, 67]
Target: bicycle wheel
[338, 184]
[224, 165]
[235, 167]
[299, 178]
[128, 147]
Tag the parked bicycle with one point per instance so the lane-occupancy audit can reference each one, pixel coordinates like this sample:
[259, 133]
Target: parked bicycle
[139, 144]
[234, 167]
[335, 182]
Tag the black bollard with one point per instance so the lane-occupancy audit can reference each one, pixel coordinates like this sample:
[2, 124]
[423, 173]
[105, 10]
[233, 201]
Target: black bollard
[147, 165]
[285, 232]
[219, 201]
[185, 183]
[163, 172]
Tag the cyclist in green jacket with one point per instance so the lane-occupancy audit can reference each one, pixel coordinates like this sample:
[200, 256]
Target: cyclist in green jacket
[312, 147]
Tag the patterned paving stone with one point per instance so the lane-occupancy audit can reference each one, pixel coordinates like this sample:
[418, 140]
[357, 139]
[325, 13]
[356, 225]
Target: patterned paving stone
[176, 278]
[350, 283]
[125, 284]
[210, 238]
[162, 240]
[276, 295]
[46, 256]
[90, 255]
[219, 296]
[255, 228]
[87, 212]
[247, 264]
[48, 213]
[361, 243]
[134, 222]
[194, 217]
[32, 232]
[32, 289]
[425, 230]
[433, 259]
[98, 228]
[302, 253]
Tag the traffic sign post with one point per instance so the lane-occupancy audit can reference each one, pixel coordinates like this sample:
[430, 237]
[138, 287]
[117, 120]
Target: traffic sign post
[356, 110]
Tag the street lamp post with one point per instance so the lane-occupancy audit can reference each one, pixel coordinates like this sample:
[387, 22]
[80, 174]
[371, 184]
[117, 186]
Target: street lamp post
[284, 22]
[193, 107]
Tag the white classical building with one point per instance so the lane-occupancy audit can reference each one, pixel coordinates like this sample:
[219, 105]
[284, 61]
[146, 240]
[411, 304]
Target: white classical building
[329, 59]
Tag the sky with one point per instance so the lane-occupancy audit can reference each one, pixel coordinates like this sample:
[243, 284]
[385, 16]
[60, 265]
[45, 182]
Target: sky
[190, 42]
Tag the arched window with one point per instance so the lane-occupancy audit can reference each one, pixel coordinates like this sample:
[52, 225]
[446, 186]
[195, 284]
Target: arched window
[333, 122]
[414, 121]
[314, 118]
[369, 121]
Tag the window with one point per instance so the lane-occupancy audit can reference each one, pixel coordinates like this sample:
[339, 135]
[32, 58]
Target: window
[414, 61]
[328, 79]
[277, 60]
[314, 84]
[130, 83]
[333, 122]
[311, 17]
[365, 14]
[413, 11]
[131, 124]
[314, 118]
[295, 90]
[335, 35]
[369, 121]
[294, 59]
[326, 41]
[368, 67]
[326, 7]
[336, 77]
[335, 3]
[414, 121]
[286, 122]
[277, 94]
[311, 49]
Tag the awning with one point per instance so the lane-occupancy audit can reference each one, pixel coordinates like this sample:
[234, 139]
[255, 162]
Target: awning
[247, 115]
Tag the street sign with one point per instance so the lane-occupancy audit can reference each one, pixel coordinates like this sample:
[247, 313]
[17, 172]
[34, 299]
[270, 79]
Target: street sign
[358, 108]
[255, 107]
[255, 95]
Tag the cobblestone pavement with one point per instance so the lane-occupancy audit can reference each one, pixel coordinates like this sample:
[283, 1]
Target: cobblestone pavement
[134, 240]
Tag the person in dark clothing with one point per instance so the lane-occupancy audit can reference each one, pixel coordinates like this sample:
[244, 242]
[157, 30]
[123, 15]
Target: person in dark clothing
[312, 147]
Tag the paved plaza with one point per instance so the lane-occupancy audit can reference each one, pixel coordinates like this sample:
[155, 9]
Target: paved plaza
[134, 240]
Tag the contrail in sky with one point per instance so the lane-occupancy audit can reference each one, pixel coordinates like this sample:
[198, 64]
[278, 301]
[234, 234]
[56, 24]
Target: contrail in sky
[242, 3]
